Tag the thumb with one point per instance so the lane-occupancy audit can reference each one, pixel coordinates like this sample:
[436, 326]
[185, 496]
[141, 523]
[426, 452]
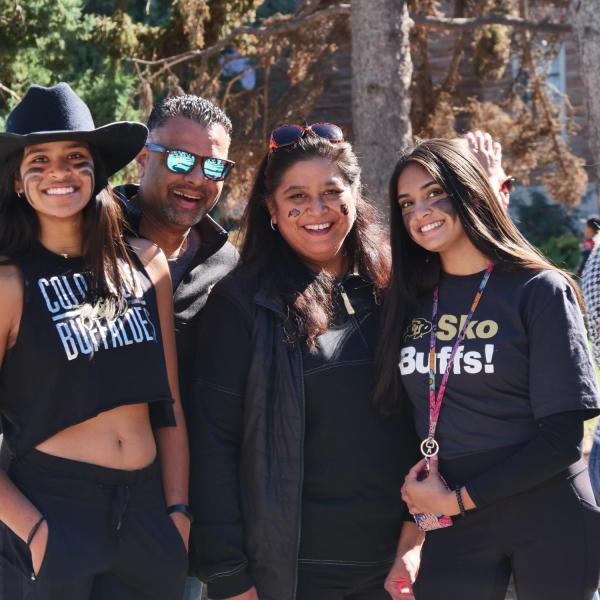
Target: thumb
[433, 465]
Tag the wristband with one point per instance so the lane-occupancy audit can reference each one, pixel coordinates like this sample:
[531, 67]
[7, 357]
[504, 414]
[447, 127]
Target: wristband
[34, 530]
[461, 506]
[181, 508]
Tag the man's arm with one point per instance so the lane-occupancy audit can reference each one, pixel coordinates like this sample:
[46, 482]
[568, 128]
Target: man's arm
[215, 413]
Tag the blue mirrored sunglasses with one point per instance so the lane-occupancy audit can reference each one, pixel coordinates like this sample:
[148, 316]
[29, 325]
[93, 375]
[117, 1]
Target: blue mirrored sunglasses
[182, 161]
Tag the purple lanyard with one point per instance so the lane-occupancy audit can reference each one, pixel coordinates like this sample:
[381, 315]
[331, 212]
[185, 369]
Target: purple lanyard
[429, 446]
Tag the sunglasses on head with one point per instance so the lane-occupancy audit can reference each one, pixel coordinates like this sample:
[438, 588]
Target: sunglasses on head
[289, 134]
[182, 161]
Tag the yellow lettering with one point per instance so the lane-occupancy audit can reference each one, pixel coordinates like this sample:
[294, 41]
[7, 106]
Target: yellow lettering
[486, 329]
[446, 328]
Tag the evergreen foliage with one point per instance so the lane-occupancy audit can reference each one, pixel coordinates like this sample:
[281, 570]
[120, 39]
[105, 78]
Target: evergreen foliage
[123, 55]
[550, 227]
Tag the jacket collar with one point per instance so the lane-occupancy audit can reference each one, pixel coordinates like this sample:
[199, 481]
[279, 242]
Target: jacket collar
[212, 236]
[267, 297]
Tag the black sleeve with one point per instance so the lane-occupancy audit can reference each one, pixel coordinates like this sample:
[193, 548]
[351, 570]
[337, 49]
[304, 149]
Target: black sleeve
[561, 373]
[215, 430]
[556, 445]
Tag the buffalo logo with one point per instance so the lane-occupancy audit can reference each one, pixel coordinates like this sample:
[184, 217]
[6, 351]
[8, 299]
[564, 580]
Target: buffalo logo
[417, 329]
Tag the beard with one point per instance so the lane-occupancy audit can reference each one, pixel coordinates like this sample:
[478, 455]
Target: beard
[183, 217]
[188, 217]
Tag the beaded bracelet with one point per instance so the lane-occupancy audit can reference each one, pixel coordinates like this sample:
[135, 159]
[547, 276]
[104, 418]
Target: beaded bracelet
[34, 530]
[459, 499]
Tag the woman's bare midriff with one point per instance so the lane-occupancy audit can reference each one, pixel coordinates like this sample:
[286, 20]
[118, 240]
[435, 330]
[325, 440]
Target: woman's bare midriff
[120, 438]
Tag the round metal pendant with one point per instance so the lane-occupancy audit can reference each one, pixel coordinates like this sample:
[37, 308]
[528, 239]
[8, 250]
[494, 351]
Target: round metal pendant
[429, 447]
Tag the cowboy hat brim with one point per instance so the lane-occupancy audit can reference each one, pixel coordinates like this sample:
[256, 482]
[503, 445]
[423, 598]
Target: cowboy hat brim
[117, 143]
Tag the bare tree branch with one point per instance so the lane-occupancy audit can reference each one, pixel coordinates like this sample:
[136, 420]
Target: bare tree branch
[291, 23]
[471, 22]
[287, 24]
[232, 81]
[10, 92]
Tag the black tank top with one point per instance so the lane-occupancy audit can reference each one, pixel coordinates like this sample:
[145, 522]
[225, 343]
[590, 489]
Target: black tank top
[64, 369]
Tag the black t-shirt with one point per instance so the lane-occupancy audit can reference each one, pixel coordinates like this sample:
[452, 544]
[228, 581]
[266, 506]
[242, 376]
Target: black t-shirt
[355, 459]
[525, 357]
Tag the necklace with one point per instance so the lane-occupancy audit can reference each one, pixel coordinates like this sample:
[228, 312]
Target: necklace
[67, 255]
[184, 245]
[182, 248]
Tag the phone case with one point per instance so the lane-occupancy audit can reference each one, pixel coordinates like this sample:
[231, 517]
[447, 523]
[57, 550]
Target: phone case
[430, 521]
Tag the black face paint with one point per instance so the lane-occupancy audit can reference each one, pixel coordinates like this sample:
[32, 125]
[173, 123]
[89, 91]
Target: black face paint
[344, 209]
[86, 167]
[30, 177]
[294, 213]
[445, 205]
[33, 174]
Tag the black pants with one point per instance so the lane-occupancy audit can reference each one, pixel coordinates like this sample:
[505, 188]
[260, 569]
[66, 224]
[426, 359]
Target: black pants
[342, 582]
[549, 538]
[109, 535]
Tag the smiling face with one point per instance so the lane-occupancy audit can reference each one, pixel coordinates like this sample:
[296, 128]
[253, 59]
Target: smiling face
[180, 200]
[428, 213]
[56, 178]
[314, 208]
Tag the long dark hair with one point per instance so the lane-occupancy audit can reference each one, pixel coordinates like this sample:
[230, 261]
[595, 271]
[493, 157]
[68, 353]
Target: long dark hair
[104, 249]
[416, 271]
[308, 295]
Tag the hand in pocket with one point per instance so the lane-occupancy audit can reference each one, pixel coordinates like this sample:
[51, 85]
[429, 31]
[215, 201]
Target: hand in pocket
[183, 525]
[38, 547]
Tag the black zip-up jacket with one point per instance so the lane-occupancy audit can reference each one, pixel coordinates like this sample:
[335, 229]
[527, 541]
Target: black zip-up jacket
[249, 447]
[215, 258]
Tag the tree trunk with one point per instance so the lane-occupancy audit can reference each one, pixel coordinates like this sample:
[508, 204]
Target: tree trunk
[381, 75]
[585, 16]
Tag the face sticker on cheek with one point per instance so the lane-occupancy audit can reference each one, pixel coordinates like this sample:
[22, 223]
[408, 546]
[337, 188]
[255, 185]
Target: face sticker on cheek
[344, 209]
[294, 213]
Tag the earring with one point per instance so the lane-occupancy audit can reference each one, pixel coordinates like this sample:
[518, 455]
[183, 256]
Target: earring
[20, 195]
[273, 225]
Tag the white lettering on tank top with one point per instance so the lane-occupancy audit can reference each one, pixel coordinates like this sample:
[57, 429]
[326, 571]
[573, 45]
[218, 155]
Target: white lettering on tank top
[64, 297]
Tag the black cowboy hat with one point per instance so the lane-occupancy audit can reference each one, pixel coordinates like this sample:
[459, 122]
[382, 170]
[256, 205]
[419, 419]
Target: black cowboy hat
[57, 113]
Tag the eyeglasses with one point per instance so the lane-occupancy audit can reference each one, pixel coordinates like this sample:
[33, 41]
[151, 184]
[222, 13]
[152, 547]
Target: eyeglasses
[508, 185]
[182, 161]
[289, 134]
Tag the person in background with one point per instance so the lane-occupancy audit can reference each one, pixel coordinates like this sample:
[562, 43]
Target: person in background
[590, 233]
[89, 399]
[493, 359]
[590, 287]
[297, 474]
[182, 169]
[489, 154]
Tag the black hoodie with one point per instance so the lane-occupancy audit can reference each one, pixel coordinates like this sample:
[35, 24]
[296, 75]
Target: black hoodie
[214, 259]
